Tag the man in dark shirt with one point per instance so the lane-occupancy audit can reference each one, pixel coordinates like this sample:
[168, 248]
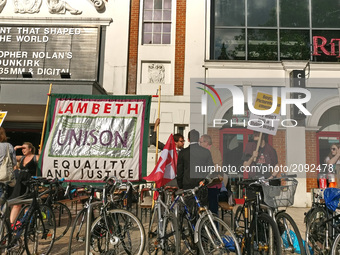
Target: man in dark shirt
[254, 159]
[193, 163]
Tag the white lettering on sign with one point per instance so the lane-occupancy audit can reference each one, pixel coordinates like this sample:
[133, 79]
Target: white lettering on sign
[54, 55]
[62, 31]
[48, 43]
[32, 38]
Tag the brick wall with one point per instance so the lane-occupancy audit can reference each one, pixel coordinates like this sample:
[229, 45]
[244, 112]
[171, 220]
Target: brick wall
[215, 136]
[180, 47]
[311, 158]
[133, 47]
[279, 144]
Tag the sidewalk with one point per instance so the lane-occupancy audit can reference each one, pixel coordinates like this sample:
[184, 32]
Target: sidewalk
[297, 214]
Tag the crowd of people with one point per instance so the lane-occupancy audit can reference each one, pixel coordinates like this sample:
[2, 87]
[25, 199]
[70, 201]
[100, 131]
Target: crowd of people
[258, 155]
[200, 153]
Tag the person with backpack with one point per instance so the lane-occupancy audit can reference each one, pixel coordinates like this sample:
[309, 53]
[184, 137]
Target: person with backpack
[28, 167]
[4, 146]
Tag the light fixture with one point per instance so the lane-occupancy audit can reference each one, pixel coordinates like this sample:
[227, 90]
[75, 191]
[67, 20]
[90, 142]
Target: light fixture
[27, 75]
[64, 75]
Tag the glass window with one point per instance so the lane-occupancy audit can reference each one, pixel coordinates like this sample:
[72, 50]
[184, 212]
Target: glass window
[229, 13]
[157, 22]
[294, 13]
[325, 13]
[262, 44]
[262, 13]
[229, 44]
[249, 30]
[294, 44]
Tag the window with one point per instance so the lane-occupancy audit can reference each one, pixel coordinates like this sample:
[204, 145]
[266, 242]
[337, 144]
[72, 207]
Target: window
[151, 128]
[157, 22]
[274, 30]
[180, 129]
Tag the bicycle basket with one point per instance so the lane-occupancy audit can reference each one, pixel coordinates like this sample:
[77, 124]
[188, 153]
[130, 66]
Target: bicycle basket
[280, 196]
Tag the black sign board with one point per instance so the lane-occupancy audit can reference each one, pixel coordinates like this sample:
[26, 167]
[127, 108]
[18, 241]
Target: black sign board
[298, 80]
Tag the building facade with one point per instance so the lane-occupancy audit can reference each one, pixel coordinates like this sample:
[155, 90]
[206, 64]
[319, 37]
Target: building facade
[258, 45]
[138, 46]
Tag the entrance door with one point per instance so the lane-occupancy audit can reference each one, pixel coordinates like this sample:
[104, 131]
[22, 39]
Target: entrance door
[232, 144]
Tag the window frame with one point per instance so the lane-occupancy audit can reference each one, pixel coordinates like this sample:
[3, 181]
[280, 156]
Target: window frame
[153, 21]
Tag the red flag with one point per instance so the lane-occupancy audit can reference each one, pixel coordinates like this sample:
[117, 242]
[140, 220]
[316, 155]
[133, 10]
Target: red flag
[166, 167]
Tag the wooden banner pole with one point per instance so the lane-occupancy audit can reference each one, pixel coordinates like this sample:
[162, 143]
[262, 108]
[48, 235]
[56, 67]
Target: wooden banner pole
[158, 116]
[258, 143]
[45, 118]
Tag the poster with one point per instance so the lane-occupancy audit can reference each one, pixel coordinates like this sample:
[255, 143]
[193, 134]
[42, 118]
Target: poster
[91, 137]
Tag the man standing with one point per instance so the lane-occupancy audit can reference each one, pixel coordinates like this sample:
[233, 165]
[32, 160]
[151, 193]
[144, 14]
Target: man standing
[192, 163]
[213, 191]
[178, 138]
[257, 161]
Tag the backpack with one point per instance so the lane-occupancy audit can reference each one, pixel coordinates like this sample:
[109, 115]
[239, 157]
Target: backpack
[6, 170]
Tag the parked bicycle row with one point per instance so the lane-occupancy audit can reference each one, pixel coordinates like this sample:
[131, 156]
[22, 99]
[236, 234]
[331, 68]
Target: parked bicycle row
[178, 222]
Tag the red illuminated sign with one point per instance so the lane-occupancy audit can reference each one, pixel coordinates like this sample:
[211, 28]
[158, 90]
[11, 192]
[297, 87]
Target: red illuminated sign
[321, 46]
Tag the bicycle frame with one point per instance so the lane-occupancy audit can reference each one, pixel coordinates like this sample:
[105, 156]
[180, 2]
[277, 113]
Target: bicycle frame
[159, 205]
[24, 221]
[247, 208]
[202, 212]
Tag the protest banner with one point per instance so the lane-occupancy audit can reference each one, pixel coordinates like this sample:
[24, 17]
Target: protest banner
[90, 137]
[2, 117]
[269, 123]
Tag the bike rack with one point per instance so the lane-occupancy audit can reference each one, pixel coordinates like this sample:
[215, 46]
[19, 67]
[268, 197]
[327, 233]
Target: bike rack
[88, 226]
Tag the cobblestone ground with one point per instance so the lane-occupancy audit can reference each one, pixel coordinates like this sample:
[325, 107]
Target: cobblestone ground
[61, 247]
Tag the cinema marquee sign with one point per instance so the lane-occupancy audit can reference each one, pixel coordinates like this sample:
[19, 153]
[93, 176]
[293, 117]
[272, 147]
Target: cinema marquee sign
[46, 51]
[320, 42]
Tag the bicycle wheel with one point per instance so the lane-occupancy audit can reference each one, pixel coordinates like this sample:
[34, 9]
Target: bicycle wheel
[212, 242]
[336, 246]
[153, 232]
[63, 219]
[77, 235]
[171, 239]
[40, 231]
[76, 243]
[5, 238]
[316, 232]
[119, 232]
[291, 238]
[264, 236]
[187, 235]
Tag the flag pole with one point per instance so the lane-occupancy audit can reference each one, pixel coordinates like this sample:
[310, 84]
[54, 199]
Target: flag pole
[45, 117]
[158, 115]
[258, 144]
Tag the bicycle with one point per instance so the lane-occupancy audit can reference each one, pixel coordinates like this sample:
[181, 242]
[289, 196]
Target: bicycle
[116, 230]
[163, 234]
[78, 230]
[211, 234]
[279, 192]
[37, 225]
[61, 212]
[112, 231]
[256, 230]
[323, 228]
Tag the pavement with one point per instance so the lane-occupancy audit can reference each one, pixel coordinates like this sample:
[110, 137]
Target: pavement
[61, 247]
